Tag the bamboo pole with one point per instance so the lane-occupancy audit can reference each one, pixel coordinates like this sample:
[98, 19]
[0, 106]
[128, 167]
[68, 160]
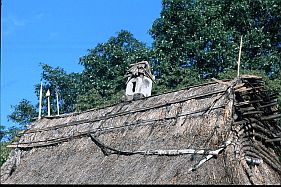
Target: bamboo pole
[239, 57]
[58, 107]
[40, 101]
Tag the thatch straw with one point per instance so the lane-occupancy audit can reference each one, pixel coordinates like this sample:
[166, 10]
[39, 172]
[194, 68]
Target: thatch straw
[201, 135]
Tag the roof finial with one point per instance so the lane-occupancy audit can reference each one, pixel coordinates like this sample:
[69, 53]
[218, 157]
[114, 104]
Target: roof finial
[139, 83]
[48, 94]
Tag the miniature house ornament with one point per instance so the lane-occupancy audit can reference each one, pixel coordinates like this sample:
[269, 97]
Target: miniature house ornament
[139, 83]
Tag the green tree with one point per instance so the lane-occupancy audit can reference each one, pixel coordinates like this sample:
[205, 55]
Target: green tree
[6, 136]
[2, 132]
[58, 81]
[204, 36]
[12, 134]
[4, 152]
[173, 48]
[23, 114]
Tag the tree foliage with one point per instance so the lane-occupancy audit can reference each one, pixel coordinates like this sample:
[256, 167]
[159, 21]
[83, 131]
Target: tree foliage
[2, 132]
[4, 152]
[58, 82]
[204, 36]
[23, 113]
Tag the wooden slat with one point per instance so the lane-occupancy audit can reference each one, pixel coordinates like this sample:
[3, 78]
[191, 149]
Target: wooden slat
[241, 89]
[253, 112]
[238, 86]
[274, 116]
[247, 108]
[251, 77]
[247, 102]
[221, 82]
[267, 105]
[245, 89]
[240, 122]
[273, 140]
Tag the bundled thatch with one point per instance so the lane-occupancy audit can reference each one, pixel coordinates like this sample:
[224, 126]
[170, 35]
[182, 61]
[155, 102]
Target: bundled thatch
[217, 133]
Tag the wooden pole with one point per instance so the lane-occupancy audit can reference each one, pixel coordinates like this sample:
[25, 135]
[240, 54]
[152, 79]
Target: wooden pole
[58, 107]
[40, 102]
[238, 70]
[49, 108]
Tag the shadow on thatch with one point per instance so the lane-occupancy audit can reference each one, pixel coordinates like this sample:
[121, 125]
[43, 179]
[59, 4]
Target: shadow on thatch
[216, 133]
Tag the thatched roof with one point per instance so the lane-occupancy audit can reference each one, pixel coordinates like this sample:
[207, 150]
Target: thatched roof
[224, 132]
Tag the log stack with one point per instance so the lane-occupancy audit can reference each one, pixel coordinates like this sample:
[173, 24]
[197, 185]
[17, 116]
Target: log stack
[256, 116]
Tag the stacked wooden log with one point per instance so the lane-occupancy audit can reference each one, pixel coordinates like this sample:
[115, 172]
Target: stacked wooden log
[257, 116]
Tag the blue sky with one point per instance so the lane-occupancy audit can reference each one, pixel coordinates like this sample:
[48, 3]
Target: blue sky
[58, 32]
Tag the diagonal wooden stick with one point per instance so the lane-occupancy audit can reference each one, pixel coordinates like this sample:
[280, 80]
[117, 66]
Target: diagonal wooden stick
[208, 157]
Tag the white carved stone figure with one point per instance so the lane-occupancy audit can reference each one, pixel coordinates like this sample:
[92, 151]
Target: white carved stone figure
[139, 80]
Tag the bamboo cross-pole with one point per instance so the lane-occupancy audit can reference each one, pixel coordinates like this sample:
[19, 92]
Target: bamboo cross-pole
[49, 108]
[239, 57]
[40, 101]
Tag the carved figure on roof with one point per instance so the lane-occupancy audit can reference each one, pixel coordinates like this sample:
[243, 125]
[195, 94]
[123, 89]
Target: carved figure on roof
[139, 83]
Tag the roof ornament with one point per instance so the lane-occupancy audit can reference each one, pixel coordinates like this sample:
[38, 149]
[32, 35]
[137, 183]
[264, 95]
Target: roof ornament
[57, 96]
[48, 94]
[139, 83]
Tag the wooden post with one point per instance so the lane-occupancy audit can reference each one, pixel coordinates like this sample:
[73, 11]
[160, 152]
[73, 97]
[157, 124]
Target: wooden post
[49, 108]
[40, 101]
[58, 107]
[238, 70]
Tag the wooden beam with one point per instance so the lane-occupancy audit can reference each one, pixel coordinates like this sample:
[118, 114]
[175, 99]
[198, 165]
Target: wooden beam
[253, 112]
[247, 102]
[243, 109]
[221, 82]
[273, 140]
[251, 77]
[245, 89]
[267, 105]
[240, 122]
[274, 116]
